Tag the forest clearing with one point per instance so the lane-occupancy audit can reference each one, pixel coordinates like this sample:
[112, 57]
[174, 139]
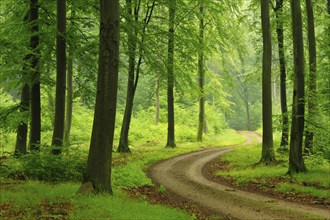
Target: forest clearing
[153, 109]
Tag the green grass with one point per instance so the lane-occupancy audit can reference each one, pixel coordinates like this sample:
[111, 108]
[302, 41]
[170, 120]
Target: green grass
[128, 171]
[244, 168]
[304, 190]
[29, 202]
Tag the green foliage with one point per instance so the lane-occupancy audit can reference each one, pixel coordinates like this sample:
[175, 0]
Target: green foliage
[45, 167]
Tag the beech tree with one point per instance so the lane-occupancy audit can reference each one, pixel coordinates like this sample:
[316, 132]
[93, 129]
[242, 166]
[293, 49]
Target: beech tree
[35, 79]
[170, 77]
[201, 74]
[312, 96]
[267, 130]
[296, 160]
[98, 170]
[280, 42]
[60, 77]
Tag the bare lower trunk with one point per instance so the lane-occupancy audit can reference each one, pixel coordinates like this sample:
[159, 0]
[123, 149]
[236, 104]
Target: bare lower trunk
[58, 133]
[22, 129]
[267, 129]
[296, 161]
[157, 102]
[312, 96]
[35, 79]
[98, 170]
[170, 78]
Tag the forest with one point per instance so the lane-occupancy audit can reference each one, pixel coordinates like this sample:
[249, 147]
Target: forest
[164, 109]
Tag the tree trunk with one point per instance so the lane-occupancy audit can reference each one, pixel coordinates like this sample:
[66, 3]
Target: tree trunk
[98, 170]
[267, 129]
[69, 87]
[157, 102]
[22, 129]
[312, 96]
[58, 133]
[131, 41]
[284, 107]
[296, 161]
[35, 82]
[201, 76]
[170, 77]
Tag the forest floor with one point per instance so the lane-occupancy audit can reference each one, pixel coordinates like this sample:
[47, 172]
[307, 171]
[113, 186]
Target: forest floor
[189, 182]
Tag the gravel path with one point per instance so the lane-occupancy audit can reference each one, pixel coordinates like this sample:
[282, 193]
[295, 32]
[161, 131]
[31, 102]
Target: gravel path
[183, 176]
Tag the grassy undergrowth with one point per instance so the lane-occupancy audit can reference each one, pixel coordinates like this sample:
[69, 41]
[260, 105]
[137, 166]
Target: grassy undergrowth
[43, 199]
[244, 168]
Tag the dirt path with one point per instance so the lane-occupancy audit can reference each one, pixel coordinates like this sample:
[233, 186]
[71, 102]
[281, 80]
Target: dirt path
[183, 176]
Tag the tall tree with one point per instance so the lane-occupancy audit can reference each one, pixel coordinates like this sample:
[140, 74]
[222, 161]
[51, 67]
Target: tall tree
[98, 170]
[201, 74]
[170, 77]
[296, 161]
[60, 77]
[267, 129]
[133, 69]
[22, 128]
[312, 96]
[35, 82]
[280, 41]
[69, 86]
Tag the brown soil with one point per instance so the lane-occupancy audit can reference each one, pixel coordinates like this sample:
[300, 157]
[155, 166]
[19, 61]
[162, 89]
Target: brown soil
[183, 177]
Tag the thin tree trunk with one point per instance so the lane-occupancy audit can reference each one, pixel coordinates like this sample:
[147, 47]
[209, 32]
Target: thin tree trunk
[60, 78]
[157, 102]
[133, 77]
[69, 98]
[22, 129]
[296, 161]
[280, 39]
[170, 77]
[268, 154]
[69, 88]
[35, 85]
[312, 96]
[201, 76]
[98, 170]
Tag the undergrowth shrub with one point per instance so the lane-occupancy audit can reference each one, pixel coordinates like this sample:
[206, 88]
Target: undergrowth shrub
[45, 167]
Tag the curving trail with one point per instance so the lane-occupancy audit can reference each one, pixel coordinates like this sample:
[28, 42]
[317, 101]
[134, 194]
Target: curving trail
[183, 176]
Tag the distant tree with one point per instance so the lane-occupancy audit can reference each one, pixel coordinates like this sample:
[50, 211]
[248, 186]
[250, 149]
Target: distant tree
[280, 39]
[296, 161]
[201, 74]
[35, 79]
[268, 154]
[69, 85]
[170, 77]
[98, 170]
[312, 96]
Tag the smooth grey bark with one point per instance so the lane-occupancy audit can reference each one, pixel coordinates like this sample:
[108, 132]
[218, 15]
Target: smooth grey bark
[268, 154]
[98, 170]
[201, 75]
[170, 77]
[296, 160]
[312, 93]
[58, 132]
[284, 108]
[35, 78]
